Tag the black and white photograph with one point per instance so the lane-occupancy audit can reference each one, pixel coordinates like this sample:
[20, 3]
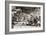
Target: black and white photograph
[25, 17]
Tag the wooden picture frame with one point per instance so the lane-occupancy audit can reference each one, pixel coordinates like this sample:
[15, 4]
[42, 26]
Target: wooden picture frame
[31, 6]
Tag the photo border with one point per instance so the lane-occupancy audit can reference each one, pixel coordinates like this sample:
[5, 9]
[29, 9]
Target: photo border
[7, 16]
